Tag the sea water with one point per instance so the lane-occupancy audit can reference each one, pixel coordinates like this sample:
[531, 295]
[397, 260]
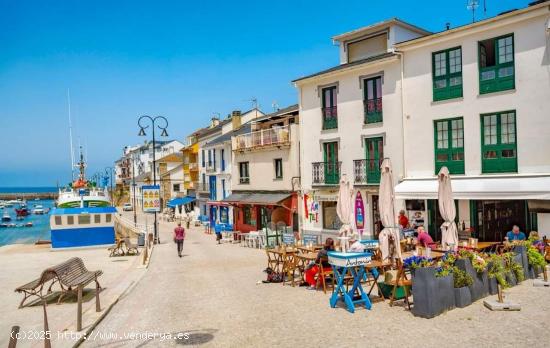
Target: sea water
[40, 229]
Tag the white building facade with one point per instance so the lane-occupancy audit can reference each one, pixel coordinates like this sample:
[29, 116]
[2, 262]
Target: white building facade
[351, 119]
[477, 100]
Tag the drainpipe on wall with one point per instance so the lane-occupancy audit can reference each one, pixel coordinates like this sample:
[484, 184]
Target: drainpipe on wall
[402, 63]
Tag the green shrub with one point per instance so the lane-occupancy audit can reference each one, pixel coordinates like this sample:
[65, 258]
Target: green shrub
[461, 278]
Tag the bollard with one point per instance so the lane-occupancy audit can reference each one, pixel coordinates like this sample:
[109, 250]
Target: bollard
[79, 310]
[47, 343]
[13, 336]
[97, 290]
[145, 256]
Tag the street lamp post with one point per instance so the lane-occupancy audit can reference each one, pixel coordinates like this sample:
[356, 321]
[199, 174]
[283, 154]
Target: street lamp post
[134, 190]
[164, 133]
[109, 171]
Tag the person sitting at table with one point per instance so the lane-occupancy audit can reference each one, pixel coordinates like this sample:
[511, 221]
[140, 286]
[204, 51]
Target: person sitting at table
[355, 246]
[424, 239]
[515, 234]
[403, 219]
[313, 268]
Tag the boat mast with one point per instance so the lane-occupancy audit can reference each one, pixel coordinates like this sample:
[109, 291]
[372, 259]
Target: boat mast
[71, 134]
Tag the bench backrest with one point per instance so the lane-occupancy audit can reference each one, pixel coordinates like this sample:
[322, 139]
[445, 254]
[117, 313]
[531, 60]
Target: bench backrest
[69, 269]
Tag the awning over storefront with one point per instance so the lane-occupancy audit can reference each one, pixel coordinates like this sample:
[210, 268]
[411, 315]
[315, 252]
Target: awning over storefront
[479, 188]
[257, 198]
[180, 201]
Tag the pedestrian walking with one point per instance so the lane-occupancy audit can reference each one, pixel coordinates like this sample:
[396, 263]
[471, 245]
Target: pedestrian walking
[179, 237]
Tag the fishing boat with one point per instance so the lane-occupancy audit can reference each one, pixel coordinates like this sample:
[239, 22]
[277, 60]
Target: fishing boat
[82, 193]
[23, 211]
[28, 224]
[38, 210]
[6, 217]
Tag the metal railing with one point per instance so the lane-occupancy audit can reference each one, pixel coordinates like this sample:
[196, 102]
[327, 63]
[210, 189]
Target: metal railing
[244, 180]
[262, 138]
[202, 187]
[330, 117]
[211, 166]
[366, 171]
[326, 173]
[373, 110]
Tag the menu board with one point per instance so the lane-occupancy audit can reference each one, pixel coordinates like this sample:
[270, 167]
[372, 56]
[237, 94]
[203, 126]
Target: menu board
[151, 198]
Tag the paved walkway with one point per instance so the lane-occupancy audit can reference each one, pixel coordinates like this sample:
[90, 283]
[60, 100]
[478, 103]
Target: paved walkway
[211, 297]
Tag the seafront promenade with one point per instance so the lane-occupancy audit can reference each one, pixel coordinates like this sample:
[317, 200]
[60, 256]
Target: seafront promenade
[212, 297]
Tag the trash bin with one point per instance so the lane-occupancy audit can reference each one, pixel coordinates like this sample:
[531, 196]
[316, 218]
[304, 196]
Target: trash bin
[141, 239]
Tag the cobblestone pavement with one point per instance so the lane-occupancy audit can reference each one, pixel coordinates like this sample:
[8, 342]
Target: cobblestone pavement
[211, 297]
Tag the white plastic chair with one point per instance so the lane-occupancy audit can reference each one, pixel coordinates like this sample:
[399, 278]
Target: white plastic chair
[262, 236]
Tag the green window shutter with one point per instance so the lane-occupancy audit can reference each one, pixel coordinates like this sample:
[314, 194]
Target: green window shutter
[449, 145]
[372, 99]
[501, 75]
[499, 142]
[374, 153]
[447, 74]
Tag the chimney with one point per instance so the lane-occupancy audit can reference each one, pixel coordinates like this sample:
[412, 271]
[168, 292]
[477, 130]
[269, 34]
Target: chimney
[215, 121]
[236, 119]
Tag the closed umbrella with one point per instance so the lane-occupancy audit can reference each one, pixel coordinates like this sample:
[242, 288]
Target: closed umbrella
[449, 231]
[344, 210]
[389, 248]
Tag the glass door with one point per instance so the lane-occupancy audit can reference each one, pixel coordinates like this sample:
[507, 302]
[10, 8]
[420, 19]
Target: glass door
[374, 156]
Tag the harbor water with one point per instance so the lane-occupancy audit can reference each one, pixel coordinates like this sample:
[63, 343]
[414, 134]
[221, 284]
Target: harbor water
[41, 224]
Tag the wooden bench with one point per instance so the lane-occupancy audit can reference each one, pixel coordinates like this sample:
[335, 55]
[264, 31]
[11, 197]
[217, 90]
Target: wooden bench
[72, 276]
[117, 249]
[131, 248]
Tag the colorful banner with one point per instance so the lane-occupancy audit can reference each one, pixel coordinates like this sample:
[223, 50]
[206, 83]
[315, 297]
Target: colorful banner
[151, 198]
[359, 213]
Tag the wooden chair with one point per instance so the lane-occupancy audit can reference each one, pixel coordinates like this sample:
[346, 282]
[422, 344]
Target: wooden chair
[290, 265]
[400, 281]
[322, 274]
[547, 253]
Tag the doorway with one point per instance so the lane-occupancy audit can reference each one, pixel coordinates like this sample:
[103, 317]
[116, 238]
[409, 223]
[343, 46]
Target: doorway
[491, 220]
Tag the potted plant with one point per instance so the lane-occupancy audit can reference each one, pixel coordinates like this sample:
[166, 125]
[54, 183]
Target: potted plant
[536, 261]
[496, 271]
[462, 282]
[520, 248]
[432, 287]
[476, 267]
[514, 270]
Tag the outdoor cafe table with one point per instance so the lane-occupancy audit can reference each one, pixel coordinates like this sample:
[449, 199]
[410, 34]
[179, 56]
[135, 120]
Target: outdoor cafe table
[433, 254]
[308, 249]
[355, 265]
[275, 258]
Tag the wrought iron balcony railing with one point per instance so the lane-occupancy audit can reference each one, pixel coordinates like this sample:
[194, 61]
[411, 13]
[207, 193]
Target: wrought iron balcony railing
[373, 110]
[366, 171]
[330, 117]
[326, 173]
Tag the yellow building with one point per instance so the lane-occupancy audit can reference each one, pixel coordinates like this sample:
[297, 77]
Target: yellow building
[191, 164]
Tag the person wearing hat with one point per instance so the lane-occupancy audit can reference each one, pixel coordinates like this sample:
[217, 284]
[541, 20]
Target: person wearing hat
[355, 245]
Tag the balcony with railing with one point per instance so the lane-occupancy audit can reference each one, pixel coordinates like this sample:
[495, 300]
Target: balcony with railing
[264, 138]
[210, 166]
[366, 171]
[330, 117]
[193, 166]
[373, 110]
[326, 173]
[244, 180]
[202, 186]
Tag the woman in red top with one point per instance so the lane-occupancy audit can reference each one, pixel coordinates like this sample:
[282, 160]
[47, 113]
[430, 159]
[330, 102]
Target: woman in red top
[179, 236]
[312, 271]
[403, 219]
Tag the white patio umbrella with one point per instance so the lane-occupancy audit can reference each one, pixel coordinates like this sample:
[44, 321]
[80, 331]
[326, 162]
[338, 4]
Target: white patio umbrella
[449, 231]
[344, 210]
[387, 213]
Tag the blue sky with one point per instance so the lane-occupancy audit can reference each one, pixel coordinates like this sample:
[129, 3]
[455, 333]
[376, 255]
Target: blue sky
[182, 59]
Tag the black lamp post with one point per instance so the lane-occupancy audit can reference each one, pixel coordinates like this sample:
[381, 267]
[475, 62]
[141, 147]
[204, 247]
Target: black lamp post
[164, 133]
[109, 172]
[134, 189]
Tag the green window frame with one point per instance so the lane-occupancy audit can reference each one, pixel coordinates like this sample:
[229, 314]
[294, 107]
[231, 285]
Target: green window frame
[499, 76]
[447, 74]
[449, 145]
[374, 155]
[499, 142]
[372, 99]
[329, 109]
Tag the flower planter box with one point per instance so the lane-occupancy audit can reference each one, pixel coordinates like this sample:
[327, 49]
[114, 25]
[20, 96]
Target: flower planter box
[480, 287]
[463, 297]
[522, 250]
[432, 295]
[493, 286]
[534, 272]
[511, 279]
